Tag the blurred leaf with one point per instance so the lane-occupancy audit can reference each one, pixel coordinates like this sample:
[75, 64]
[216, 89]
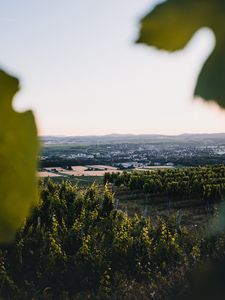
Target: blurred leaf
[170, 25]
[18, 160]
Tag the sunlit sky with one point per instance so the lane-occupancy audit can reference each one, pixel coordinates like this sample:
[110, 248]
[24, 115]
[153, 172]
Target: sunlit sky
[81, 72]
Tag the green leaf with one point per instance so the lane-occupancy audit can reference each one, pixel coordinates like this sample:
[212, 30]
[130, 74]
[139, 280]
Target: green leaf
[18, 160]
[170, 25]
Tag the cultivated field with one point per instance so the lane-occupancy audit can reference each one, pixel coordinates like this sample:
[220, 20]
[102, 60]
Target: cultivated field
[44, 174]
[94, 170]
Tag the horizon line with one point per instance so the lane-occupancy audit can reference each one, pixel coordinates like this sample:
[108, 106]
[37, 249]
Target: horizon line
[131, 134]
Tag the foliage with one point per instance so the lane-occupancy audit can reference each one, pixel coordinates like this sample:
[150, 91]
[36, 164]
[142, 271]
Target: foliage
[76, 245]
[206, 183]
[18, 160]
[170, 26]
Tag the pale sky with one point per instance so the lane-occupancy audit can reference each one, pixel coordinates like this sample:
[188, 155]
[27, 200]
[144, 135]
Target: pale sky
[81, 72]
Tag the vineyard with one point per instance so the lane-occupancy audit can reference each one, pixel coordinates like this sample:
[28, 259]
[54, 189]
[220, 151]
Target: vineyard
[77, 244]
[207, 183]
[194, 193]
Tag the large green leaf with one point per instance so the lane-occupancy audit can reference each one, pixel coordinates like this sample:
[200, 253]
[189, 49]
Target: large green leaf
[170, 25]
[18, 160]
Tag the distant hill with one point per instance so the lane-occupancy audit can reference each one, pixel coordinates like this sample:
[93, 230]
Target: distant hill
[205, 139]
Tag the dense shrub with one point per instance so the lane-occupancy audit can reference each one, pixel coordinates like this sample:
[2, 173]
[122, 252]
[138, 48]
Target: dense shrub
[76, 245]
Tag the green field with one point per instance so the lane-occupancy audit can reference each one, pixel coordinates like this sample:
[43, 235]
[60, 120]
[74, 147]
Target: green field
[80, 180]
